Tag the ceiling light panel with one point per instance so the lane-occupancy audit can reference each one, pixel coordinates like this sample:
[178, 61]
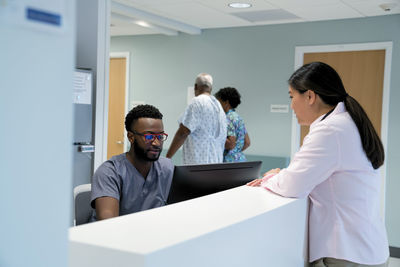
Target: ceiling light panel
[266, 15]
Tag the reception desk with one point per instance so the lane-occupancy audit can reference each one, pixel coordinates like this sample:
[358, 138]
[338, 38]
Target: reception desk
[243, 226]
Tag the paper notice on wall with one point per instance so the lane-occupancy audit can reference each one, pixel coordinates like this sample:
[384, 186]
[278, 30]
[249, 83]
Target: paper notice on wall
[82, 87]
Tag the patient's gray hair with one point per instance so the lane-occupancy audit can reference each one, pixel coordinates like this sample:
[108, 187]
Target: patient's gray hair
[204, 80]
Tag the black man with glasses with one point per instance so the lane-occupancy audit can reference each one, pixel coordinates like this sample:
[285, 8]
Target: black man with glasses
[139, 179]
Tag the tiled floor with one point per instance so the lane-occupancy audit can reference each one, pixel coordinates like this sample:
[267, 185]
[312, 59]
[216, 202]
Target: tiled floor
[394, 262]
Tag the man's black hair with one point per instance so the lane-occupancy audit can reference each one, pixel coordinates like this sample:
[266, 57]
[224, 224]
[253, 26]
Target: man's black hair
[230, 94]
[141, 111]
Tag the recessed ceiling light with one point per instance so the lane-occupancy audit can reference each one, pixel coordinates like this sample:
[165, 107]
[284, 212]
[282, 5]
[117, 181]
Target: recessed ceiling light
[239, 5]
[142, 23]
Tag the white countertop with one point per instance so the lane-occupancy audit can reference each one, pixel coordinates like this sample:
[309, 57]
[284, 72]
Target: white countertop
[148, 231]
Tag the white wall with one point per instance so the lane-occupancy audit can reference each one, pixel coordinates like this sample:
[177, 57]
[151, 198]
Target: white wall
[36, 67]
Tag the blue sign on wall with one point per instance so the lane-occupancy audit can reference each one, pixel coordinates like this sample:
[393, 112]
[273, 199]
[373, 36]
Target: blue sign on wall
[43, 16]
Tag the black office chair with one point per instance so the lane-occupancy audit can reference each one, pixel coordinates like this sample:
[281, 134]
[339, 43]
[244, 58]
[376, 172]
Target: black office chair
[83, 210]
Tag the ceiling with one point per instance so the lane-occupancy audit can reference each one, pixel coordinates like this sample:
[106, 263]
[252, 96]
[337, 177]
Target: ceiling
[171, 17]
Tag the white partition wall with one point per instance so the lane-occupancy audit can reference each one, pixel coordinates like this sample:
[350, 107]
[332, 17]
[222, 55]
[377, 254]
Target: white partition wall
[36, 70]
[244, 226]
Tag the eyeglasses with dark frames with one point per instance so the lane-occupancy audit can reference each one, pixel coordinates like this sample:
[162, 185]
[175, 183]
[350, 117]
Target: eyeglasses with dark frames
[148, 137]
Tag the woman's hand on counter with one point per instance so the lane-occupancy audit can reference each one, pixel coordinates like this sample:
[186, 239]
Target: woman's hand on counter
[266, 176]
[255, 182]
[274, 171]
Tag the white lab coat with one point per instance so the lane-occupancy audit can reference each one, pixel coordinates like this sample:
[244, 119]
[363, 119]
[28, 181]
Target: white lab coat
[332, 169]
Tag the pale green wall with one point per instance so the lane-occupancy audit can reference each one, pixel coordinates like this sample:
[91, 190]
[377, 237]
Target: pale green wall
[258, 61]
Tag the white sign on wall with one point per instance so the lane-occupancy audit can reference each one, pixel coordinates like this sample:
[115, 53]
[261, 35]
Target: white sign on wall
[279, 108]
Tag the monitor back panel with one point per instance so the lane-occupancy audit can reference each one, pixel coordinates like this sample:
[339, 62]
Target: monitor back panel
[191, 181]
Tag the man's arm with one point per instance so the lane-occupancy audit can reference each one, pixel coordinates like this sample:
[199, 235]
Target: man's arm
[246, 142]
[230, 142]
[179, 138]
[106, 207]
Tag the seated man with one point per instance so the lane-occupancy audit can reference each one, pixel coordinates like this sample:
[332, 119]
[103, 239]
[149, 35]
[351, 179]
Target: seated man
[139, 179]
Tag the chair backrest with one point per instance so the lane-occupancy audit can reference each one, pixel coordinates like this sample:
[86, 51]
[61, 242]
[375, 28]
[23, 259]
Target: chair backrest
[83, 210]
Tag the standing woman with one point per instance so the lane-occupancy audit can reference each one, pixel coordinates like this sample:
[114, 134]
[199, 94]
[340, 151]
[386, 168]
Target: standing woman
[237, 139]
[337, 168]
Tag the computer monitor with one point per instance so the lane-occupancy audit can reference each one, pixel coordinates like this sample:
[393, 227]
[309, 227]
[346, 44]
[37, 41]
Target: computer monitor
[191, 181]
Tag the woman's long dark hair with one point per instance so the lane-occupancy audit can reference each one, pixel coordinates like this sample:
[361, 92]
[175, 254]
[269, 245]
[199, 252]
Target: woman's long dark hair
[325, 82]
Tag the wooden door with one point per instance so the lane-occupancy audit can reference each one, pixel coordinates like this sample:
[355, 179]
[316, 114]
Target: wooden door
[362, 75]
[116, 107]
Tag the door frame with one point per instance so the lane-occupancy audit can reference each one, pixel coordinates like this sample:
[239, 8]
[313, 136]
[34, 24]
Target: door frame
[101, 85]
[387, 46]
[127, 72]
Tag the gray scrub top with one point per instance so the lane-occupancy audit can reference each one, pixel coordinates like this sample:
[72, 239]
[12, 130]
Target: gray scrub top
[118, 178]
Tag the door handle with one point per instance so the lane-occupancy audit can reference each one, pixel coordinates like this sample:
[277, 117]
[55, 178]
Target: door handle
[120, 142]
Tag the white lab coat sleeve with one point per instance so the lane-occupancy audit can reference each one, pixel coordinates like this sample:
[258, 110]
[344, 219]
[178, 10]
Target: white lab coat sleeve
[316, 161]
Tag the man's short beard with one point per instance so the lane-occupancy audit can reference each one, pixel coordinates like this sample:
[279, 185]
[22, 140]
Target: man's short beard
[141, 153]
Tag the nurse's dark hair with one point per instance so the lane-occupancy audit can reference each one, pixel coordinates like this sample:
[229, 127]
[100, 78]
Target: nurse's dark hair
[141, 111]
[325, 82]
[230, 94]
